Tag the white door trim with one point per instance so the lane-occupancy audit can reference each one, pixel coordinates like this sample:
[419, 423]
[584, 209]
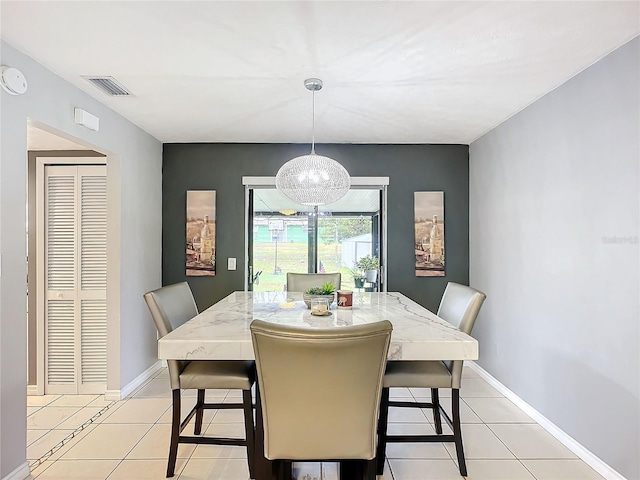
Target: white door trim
[255, 182]
[41, 163]
[381, 183]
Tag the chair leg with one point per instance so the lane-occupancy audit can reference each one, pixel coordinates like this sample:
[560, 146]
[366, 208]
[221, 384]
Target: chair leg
[457, 430]
[249, 431]
[276, 470]
[382, 431]
[287, 470]
[350, 469]
[263, 468]
[199, 412]
[369, 471]
[175, 433]
[282, 470]
[435, 400]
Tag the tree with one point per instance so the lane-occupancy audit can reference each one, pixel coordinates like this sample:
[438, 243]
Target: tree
[336, 229]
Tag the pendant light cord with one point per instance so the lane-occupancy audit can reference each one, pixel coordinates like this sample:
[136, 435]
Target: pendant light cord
[313, 122]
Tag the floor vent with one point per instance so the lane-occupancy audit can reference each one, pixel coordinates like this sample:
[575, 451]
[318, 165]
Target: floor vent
[69, 437]
[108, 85]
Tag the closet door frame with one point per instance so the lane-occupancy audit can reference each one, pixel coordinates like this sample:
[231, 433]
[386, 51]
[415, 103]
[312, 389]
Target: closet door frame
[41, 292]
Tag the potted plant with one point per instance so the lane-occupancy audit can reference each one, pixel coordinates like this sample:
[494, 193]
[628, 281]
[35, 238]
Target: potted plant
[326, 291]
[370, 266]
[358, 275]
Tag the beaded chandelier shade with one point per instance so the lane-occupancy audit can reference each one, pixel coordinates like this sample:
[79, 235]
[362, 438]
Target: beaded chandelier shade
[313, 179]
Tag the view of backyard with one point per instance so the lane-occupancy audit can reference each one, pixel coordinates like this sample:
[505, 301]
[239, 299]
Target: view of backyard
[292, 257]
[281, 245]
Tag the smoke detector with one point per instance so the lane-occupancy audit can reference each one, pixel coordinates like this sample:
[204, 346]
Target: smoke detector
[12, 80]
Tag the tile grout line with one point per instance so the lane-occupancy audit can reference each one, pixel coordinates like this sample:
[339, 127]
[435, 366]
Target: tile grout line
[525, 467]
[68, 438]
[434, 427]
[494, 433]
[203, 432]
[505, 445]
[491, 430]
[131, 449]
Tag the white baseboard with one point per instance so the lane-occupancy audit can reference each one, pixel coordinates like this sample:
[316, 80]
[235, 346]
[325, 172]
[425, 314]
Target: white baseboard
[585, 455]
[134, 384]
[20, 473]
[32, 390]
[112, 395]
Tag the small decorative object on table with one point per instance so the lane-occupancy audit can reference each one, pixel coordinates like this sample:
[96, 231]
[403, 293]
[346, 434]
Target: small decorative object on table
[345, 299]
[320, 306]
[326, 291]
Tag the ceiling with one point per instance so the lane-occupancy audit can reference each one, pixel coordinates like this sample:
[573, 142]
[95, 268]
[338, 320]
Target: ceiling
[393, 72]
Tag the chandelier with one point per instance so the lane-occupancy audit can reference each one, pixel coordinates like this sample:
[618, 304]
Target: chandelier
[313, 179]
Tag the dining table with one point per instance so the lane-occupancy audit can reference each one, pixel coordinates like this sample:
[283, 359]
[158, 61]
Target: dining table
[222, 332]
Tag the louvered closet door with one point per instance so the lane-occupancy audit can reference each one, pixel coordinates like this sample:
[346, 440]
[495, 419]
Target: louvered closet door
[76, 279]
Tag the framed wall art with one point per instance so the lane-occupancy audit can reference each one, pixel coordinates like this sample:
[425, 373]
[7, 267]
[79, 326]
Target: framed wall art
[429, 234]
[201, 233]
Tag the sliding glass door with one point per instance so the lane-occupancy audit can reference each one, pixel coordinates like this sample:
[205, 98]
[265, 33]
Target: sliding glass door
[285, 237]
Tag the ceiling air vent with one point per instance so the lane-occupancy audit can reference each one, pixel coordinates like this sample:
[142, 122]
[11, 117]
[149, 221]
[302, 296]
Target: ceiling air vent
[108, 85]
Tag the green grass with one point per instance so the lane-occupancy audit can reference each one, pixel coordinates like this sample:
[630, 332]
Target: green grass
[292, 257]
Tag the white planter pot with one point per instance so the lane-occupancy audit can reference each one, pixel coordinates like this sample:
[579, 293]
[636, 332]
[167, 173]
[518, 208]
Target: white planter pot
[371, 275]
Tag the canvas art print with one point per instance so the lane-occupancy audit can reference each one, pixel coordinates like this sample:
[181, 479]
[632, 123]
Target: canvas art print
[201, 232]
[429, 233]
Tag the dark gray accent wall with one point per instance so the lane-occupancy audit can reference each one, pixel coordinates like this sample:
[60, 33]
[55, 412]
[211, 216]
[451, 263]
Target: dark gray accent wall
[410, 168]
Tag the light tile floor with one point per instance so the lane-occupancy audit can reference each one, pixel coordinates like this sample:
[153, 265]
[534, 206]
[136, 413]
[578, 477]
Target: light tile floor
[128, 440]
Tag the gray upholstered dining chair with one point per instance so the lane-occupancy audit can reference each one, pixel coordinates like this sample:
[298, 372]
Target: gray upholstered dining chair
[320, 393]
[300, 282]
[459, 306]
[170, 307]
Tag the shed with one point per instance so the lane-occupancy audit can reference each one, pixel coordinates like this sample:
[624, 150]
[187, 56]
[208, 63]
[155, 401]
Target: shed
[355, 248]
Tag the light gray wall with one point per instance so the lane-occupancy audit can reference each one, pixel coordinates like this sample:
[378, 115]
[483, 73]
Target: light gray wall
[137, 165]
[554, 225]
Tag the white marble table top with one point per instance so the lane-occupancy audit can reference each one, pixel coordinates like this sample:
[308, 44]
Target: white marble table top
[222, 331]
